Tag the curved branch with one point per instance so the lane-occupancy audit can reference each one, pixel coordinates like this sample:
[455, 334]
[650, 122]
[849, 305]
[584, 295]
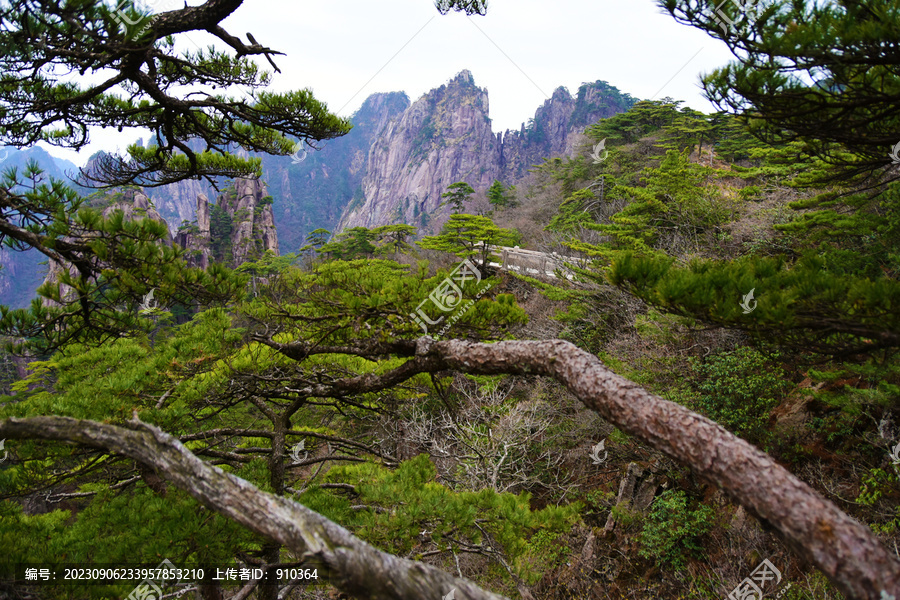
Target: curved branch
[846, 551]
[355, 567]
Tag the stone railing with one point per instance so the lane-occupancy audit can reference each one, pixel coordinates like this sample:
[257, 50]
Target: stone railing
[532, 261]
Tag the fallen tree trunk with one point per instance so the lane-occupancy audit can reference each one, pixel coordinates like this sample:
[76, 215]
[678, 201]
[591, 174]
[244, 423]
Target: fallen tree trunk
[846, 551]
[817, 530]
[354, 566]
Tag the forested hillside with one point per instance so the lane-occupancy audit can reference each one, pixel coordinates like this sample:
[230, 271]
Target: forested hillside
[699, 402]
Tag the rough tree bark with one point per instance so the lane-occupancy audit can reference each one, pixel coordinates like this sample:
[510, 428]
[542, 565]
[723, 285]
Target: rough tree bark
[355, 567]
[846, 551]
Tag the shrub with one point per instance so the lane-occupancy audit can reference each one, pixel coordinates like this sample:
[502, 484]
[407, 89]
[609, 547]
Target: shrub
[738, 389]
[672, 530]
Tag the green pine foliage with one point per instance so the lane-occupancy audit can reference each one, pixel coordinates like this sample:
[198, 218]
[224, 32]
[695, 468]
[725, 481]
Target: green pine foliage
[745, 279]
[470, 236]
[502, 196]
[407, 506]
[673, 530]
[457, 195]
[739, 389]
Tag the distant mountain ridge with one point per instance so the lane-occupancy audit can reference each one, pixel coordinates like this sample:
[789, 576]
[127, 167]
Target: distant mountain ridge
[446, 136]
[392, 167]
[22, 272]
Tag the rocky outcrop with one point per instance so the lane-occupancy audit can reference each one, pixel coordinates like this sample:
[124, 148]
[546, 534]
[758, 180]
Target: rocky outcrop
[133, 203]
[446, 136]
[194, 238]
[240, 227]
[557, 125]
[313, 187]
[246, 225]
[253, 229]
[177, 202]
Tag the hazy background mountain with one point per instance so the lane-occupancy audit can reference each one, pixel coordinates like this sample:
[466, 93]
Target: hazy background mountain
[22, 272]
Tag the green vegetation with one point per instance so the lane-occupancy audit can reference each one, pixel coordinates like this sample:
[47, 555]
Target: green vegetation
[502, 196]
[457, 195]
[739, 389]
[470, 236]
[744, 266]
[672, 530]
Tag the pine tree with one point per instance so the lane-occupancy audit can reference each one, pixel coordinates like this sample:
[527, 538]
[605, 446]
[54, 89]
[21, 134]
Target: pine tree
[457, 195]
[470, 236]
[822, 73]
[115, 262]
[502, 196]
[392, 238]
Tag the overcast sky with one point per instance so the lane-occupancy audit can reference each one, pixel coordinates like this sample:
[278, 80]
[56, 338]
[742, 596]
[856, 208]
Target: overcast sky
[521, 51]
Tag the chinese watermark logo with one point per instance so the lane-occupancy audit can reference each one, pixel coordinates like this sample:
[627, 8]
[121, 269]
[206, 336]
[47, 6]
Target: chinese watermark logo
[745, 304]
[296, 450]
[148, 304]
[5, 156]
[895, 154]
[752, 587]
[746, 8]
[448, 295]
[5, 452]
[148, 589]
[595, 453]
[600, 147]
[146, 6]
[895, 454]
[296, 158]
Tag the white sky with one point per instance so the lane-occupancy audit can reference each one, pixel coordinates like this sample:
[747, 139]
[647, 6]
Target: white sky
[345, 50]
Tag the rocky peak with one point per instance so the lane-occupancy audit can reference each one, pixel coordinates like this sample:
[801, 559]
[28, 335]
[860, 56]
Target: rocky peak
[445, 137]
[250, 208]
[195, 237]
[557, 125]
[313, 189]
[240, 227]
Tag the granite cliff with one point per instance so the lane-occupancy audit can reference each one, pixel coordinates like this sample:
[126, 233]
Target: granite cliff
[392, 167]
[311, 188]
[239, 227]
[133, 203]
[446, 136]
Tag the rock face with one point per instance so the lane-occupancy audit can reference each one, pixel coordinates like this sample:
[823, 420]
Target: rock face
[253, 229]
[312, 188]
[446, 136]
[195, 239]
[176, 202]
[244, 227]
[556, 126]
[240, 227]
[133, 203]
